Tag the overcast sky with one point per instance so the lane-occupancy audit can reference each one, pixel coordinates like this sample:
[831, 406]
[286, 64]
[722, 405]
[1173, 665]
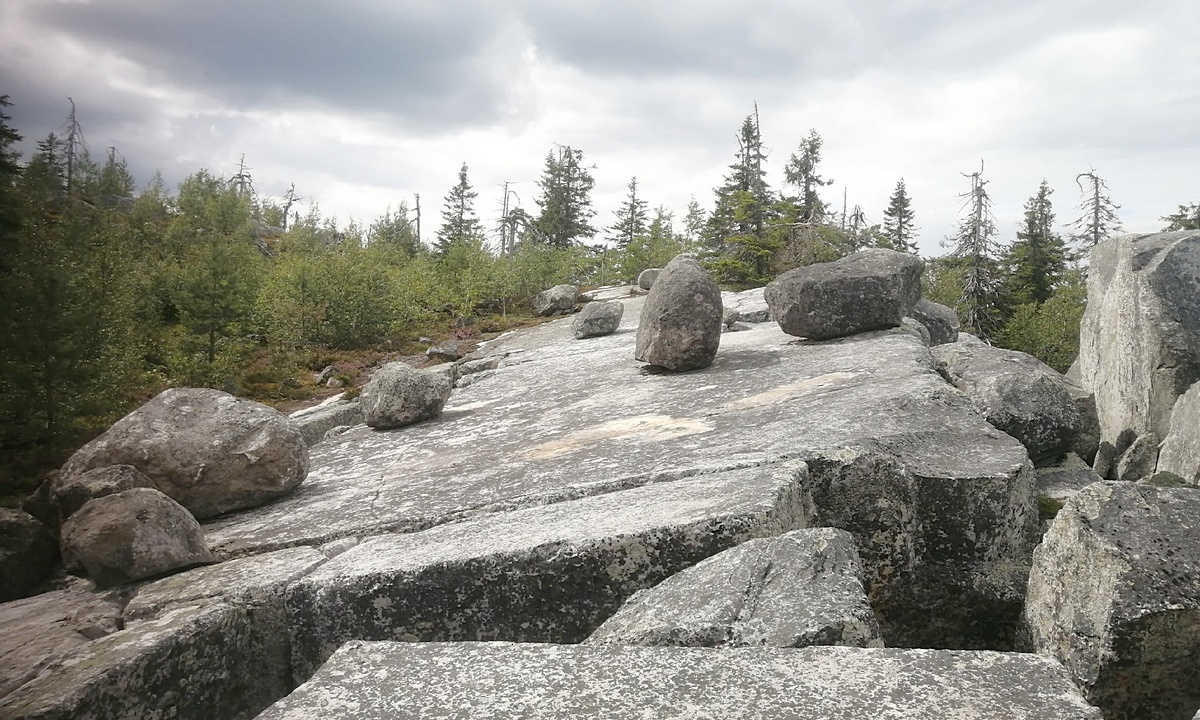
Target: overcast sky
[362, 103]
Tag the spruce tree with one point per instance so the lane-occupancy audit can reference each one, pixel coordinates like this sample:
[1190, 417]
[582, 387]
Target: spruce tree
[631, 219]
[565, 201]
[802, 172]
[10, 171]
[975, 244]
[1188, 218]
[1037, 260]
[1098, 219]
[898, 227]
[459, 223]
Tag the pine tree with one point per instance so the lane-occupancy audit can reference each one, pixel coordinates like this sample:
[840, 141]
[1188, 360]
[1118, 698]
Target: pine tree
[898, 227]
[801, 172]
[1037, 261]
[459, 223]
[976, 245]
[565, 202]
[631, 219]
[1098, 220]
[1188, 218]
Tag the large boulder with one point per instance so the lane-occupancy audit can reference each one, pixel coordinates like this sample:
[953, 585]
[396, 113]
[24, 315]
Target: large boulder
[799, 589]
[939, 320]
[133, 535]
[680, 327]
[72, 492]
[555, 301]
[1017, 393]
[598, 318]
[1180, 453]
[1114, 594]
[365, 681]
[1139, 340]
[209, 451]
[869, 290]
[399, 394]
[28, 553]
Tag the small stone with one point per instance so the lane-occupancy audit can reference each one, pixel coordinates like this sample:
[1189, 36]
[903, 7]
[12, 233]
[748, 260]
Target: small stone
[557, 300]
[597, 319]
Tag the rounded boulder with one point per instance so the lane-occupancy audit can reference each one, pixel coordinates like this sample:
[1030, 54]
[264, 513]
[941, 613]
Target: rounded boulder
[681, 322]
[399, 394]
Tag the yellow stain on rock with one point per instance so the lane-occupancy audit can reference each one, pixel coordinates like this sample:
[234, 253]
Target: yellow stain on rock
[647, 428]
[785, 393]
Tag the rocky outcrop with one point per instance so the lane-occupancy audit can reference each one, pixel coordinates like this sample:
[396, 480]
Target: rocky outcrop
[802, 588]
[399, 394]
[1139, 340]
[133, 535]
[869, 290]
[546, 574]
[557, 300]
[1114, 595]
[1180, 452]
[72, 492]
[209, 451]
[505, 680]
[939, 320]
[646, 278]
[597, 319]
[314, 423]
[28, 553]
[680, 326]
[1017, 393]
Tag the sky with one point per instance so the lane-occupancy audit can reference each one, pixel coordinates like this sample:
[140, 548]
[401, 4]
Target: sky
[363, 103]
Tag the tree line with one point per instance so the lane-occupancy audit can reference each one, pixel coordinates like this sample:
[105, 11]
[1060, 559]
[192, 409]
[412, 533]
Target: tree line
[111, 292]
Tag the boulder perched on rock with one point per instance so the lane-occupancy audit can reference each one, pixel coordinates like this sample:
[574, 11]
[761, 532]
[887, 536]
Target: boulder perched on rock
[680, 327]
[399, 394]
[1180, 453]
[1017, 393]
[646, 278]
[1139, 339]
[27, 553]
[799, 589]
[939, 320]
[598, 318]
[1114, 594]
[72, 492]
[133, 535]
[209, 451]
[555, 301]
[869, 290]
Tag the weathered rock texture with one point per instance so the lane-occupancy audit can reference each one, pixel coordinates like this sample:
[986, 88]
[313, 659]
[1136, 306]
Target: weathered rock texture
[1114, 594]
[646, 278]
[1088, 440]
[133, 535]
[28, 552]
[803, 588]
[548, 574]
[1180, 452]
[72, 492]
[939, 320]
[556, 301]
[399, 394]
[680, 326]
[598, 318]
[374, 681]
[315, 422]
[209, 644]
[1139, 340]
[1017, 393]
[869, 290]
[209, 451]
[750, 305]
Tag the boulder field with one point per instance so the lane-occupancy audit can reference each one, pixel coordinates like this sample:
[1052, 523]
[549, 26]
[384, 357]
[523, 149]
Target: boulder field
[802, 528]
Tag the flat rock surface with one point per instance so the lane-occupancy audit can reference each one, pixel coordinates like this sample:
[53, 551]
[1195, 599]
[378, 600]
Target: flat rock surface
[545, 574]
[583, 418]
[378, 681]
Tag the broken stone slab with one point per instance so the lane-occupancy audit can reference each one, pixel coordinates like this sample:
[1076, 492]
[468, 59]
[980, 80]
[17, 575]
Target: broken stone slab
[556, 301]
[1064, 479]
[399, 394]
[1139, 339]
[1114, 595]
[869, 290]
[939, 320]
[546, 574]
[377, 680]
[680, 324]
[313, 425]
[28, 552]
[1139, 459]
[1017, 393]
[750, 305]
[209, 451]
[1180, 453]
[214, 660]
[41, 630]
[1087, 443]
[799, 589]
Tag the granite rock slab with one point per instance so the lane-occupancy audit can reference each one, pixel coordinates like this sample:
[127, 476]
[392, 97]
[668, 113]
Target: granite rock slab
[386, 680]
